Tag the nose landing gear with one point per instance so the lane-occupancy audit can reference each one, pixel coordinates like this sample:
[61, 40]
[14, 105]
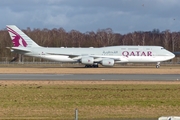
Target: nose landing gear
[158, 65]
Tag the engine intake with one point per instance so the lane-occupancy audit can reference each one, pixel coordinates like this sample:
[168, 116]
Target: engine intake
[108, 62]
[87, 60]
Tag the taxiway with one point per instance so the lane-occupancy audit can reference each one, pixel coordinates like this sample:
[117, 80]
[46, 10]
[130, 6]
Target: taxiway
[146, 77]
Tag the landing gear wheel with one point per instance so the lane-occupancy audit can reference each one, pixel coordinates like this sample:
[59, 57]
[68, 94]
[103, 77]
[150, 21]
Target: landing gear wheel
[88, 66]
[157, 66]
[91, 66]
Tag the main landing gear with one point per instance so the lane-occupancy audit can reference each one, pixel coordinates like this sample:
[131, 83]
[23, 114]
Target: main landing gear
[91, 66]
[14, 58]
[158, 65]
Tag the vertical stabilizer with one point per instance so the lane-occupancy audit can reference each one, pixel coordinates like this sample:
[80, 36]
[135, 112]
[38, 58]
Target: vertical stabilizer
[19, 38]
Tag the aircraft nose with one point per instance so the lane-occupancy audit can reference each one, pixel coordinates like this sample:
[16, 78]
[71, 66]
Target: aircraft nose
[172, 55]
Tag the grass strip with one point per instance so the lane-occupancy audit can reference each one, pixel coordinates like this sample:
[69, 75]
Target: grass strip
[94, 101]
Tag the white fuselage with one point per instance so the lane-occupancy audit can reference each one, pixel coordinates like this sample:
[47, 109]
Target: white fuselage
[121, 54]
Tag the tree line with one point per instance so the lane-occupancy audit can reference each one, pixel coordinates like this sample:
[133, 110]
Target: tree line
[58, 37]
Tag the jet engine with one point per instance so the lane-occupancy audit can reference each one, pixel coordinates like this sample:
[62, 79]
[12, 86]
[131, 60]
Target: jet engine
[107, 62]
[87, 60]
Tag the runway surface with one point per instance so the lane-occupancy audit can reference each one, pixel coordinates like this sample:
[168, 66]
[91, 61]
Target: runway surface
[150, 77]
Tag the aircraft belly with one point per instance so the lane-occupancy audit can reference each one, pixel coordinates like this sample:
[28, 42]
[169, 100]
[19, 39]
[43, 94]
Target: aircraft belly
[148, 59]
[143, 59]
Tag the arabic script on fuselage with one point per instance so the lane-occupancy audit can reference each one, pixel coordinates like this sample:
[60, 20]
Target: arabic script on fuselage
[110, 52]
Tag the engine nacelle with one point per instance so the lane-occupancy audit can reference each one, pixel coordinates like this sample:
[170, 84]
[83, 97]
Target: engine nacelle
[107, 62]
[87, 60]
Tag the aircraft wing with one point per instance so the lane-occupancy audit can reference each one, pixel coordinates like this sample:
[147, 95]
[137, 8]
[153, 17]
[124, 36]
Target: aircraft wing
[97, 57]
[75, 56]
[70, 55]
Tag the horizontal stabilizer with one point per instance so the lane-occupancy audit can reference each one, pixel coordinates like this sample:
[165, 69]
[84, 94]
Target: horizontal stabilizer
[19, 49]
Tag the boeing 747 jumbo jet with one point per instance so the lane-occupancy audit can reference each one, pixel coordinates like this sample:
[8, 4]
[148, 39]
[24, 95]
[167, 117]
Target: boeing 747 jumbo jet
[90, 57]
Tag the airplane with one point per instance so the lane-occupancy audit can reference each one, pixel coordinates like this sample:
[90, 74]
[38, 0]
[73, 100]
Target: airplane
[90, 57]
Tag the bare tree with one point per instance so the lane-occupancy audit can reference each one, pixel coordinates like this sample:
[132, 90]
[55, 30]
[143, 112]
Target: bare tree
[133, 38]
[143, 38]
[166, 38]
[110, 36]
[125, 40]
[101, 38]
[174, 38]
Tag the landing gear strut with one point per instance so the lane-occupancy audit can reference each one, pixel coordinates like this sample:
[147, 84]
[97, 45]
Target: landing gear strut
[14, 58]
[158, 65]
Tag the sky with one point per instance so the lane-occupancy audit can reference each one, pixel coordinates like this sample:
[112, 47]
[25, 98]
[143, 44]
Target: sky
[122, 16]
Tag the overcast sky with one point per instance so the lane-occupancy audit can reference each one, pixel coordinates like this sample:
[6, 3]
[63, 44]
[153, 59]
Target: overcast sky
[123, 16]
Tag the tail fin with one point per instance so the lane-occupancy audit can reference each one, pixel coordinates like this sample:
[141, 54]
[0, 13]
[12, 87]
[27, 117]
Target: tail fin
[19, 38]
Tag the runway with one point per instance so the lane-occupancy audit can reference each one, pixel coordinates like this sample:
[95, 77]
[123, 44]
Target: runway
[145, 77]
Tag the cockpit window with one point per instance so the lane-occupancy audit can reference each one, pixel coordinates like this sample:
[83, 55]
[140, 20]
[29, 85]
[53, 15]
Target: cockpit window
[162, 48]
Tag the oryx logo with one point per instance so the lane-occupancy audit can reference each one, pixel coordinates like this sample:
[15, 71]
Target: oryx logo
[17, 39]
